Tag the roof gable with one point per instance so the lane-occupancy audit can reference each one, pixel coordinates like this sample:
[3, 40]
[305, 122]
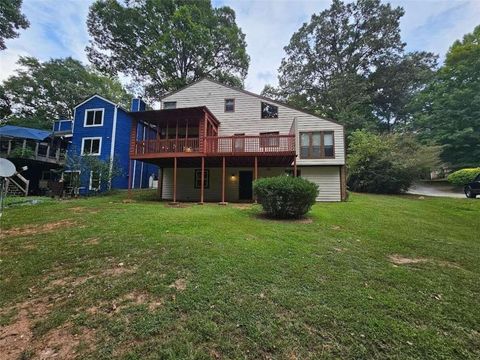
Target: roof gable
[264, 98]
[99, 97]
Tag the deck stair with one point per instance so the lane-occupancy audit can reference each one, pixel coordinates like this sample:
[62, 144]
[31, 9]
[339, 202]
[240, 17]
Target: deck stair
[17, 185]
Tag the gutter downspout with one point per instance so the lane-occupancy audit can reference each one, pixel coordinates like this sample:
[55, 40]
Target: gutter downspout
[112, 146]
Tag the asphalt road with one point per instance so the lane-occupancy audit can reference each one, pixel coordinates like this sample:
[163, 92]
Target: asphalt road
[436, 189]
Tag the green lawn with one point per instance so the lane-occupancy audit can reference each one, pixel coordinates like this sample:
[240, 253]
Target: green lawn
[101, 278]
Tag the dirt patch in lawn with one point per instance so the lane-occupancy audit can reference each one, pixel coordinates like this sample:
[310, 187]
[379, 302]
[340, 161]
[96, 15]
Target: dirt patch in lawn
[402, 260]
[179, 285]
[82, 209]
[37, 229]
[61, 343]
[132, 298]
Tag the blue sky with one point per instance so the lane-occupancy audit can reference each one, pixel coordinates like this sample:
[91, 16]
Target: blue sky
[58, 29]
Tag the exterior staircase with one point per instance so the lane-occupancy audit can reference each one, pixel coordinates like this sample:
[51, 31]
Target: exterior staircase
[17, 185]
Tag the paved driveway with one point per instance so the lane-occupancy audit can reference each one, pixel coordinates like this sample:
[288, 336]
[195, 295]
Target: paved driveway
[436, 189]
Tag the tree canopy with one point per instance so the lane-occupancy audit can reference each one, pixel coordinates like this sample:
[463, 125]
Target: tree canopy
[449, 108]
[11, 20]
[348, 63]
[41, 92]
[166, 44]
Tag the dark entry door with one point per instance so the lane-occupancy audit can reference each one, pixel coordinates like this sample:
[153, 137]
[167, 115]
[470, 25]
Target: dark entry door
[245, 179]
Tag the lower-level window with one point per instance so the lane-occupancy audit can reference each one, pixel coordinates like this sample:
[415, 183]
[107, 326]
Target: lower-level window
[95, 180]
[198, 179]
[317, 145]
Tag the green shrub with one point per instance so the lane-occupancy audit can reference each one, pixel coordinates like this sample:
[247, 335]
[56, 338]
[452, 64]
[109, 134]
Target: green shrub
[387, 163]
[285, 197]
[463, 176]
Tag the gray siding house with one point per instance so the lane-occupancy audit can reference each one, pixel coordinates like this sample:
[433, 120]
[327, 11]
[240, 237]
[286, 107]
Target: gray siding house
[211, 141]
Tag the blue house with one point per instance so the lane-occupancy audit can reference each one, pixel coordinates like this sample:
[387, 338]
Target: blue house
[102, 128]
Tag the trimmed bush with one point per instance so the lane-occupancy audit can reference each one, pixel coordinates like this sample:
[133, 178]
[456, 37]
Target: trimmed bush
[463, 176]
[285, 197]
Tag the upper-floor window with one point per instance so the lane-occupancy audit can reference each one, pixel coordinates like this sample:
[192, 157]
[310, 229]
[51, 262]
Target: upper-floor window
[229, 105]
[317, 145]
[94, 117]
[269, 139]
[269, 111]
[91, 146]
[169, 105]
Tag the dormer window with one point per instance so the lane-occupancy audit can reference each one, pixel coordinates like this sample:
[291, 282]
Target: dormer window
[169, 105]
[94, 117]
[269, 111]
[229, 105]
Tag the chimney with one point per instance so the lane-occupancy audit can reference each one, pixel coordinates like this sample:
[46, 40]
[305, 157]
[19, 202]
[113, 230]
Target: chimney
[138, 104]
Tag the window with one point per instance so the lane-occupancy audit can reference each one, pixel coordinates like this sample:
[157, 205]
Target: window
[269, 139]
[169, 105]
[93, 117]
[91, 146]
[269, 111]
[198, 179]
[316, 145]
[229, 105]
[94, 183]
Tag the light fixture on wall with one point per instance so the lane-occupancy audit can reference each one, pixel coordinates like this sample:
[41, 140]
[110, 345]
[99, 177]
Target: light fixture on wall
[232, 177]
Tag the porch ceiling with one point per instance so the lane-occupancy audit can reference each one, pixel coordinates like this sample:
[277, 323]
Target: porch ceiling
[180, 114]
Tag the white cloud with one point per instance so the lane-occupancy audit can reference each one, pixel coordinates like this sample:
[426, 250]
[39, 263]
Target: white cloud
[58, 29]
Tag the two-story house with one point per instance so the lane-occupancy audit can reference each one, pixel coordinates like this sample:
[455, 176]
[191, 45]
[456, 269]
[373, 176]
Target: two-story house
[211, 141]
[102, 128]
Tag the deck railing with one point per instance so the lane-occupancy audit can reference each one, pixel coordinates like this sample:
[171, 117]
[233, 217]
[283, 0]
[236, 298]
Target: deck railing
[250, 144]
[28, 149]
[222, 145]
[168, 146]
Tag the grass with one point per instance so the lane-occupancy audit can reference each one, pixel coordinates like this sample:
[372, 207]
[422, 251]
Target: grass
[143, 280]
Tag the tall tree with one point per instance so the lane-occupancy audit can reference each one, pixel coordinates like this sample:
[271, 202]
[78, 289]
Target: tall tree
[40, 93]
[396, 83]
[332, 63]
[166, 44]
[11, 20]
[449, 108]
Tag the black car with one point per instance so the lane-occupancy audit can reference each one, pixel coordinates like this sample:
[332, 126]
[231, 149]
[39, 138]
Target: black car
[473, 189]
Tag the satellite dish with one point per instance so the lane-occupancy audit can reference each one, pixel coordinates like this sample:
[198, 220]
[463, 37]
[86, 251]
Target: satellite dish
[7, 168]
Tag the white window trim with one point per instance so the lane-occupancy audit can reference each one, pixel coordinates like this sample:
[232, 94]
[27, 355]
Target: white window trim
[99, 147]
[94, 125]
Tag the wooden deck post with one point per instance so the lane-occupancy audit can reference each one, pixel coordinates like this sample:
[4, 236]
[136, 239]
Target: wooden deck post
[255, 176]
[160, 183]
[223, 182]
[174, 180]
[202, 180]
